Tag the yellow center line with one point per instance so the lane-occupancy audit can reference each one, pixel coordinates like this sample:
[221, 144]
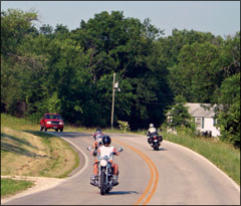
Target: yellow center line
[153, 172]
[155, 184]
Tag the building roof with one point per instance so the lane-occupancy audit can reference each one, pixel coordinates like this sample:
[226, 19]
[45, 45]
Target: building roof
[201, 109]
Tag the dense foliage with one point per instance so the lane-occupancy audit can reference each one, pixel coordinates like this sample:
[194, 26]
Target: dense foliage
[70, 72]
[178, 114]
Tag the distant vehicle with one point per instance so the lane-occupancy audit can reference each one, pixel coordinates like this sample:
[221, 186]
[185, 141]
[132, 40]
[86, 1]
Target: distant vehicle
[154, 140]
[52, 121]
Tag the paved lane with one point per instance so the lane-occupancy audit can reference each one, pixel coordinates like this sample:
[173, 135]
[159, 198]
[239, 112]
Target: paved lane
[186, 177]
[173, 175]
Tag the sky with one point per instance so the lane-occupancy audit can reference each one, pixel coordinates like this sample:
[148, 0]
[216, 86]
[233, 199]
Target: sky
[218, 17]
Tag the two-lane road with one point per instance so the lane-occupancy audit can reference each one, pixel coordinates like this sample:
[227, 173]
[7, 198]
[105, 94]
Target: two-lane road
[173, 175]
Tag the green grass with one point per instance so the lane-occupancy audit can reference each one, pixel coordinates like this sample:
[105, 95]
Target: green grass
[10, 186]
[17, 123]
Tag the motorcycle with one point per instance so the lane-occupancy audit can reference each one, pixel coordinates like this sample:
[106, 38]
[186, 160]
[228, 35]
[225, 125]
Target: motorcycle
[99, 139]
[104, 179]
[155, 140]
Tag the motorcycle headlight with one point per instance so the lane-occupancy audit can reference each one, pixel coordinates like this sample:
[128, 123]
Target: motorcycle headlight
[103, 163]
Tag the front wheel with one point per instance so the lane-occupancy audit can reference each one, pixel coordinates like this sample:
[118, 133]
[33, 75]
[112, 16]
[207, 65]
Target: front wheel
[102, 183]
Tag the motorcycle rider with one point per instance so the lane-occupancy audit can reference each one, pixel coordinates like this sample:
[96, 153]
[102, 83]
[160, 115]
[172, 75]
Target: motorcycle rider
[98, 138]
[151, 130]
[98, 131]
[106, 149]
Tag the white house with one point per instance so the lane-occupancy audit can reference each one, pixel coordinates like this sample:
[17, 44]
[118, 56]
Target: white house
[204, 116]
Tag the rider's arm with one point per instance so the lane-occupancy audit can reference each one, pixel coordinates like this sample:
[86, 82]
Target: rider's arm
[95, 145]
[148, 133]
[96, 152]
[115, 152]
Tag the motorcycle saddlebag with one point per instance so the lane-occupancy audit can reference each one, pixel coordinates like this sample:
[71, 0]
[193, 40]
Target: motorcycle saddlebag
[160, 138]
[150, 139]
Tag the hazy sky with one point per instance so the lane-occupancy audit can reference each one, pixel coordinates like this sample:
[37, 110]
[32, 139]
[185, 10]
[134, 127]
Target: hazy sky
[218, 17]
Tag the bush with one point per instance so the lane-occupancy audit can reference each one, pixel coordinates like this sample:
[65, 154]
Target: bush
[124, 126]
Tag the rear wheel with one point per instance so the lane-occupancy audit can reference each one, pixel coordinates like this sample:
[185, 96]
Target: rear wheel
[61, 130]
[45, 129]
[107, 190]
[156, 147]
[56, 130]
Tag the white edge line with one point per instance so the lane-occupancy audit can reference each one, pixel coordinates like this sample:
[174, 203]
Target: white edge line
[85, 157]
[205, 159]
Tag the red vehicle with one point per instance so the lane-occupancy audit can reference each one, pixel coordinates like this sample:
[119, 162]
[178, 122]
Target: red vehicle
[52, 121]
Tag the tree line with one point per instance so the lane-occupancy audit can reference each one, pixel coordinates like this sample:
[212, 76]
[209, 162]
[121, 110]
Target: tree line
[49, 69]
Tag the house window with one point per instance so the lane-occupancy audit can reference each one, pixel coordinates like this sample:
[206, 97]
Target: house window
[202, 122]
[198, 122]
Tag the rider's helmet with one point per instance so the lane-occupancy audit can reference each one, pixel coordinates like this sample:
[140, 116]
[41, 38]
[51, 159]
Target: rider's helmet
[106, 140]
[151, 125]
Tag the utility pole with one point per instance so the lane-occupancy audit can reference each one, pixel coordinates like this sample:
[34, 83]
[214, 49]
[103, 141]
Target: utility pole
[113, 101]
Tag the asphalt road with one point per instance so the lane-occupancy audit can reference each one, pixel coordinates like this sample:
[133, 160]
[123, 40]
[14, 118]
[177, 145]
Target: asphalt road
[173, 175]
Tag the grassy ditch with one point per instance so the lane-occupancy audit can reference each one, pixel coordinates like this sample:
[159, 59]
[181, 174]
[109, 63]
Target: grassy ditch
[25, 151]
[11, 187]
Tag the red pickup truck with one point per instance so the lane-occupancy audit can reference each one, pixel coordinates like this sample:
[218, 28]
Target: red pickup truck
[52, 121]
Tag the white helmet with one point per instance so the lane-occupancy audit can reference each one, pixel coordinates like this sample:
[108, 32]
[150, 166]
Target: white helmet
[151, 125]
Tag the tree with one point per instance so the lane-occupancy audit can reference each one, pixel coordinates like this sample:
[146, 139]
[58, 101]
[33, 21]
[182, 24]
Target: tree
[179, 113]
[15, 25]
[125, 46]
[17, 29]
[198, 73]
[46, 29]
[171, 46]
[229, 114]
[231, 55]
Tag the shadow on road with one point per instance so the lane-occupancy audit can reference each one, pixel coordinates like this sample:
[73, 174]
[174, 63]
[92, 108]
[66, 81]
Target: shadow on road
[160, 149]
[73, 134]
[122, 192]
